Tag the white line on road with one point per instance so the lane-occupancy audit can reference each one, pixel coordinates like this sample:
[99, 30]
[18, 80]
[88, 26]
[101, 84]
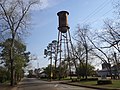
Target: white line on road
[56, 85]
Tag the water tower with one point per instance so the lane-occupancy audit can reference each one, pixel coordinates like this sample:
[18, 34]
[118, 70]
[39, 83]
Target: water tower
[64, 41]
[63, 21]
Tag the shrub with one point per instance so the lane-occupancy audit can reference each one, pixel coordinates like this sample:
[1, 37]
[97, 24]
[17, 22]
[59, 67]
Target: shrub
[74, 80]
[101, 82]
[89, 79]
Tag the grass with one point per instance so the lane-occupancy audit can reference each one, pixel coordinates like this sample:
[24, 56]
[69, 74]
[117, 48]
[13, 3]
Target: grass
[88, 82]
[115, 84]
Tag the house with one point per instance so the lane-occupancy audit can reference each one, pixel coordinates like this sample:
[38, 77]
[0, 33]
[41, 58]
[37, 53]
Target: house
[115, 70]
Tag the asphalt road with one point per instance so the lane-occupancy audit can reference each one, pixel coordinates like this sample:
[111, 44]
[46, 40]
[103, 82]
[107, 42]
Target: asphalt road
[34, 84]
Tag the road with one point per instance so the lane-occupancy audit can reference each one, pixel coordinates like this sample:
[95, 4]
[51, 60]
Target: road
[34, 84]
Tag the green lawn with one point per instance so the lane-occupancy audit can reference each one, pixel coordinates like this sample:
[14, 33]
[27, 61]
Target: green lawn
[88, 82]
[115, 84]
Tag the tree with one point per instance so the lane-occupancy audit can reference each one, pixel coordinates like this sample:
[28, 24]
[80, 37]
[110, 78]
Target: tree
[37, 72]
[82, 41]
[30, 73]
[3, 74]
[14, 19]
[111, 38]
[81, 69]
[21, 57]
[54, 52]
[47, 71]
[51, 51]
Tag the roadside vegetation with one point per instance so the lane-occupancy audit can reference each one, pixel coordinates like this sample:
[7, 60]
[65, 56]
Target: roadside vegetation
[14, 23]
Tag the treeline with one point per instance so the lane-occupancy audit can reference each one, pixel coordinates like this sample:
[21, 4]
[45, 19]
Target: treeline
[14, 23]
[21, 58]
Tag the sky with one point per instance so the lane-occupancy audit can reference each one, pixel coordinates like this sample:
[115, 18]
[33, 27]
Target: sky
[45, 22]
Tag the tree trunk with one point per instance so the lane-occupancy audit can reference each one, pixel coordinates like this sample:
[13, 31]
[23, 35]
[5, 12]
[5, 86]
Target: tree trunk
[86, 62]
[11, 69]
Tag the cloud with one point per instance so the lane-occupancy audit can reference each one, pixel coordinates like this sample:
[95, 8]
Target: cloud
[46, 4]
[41, 5]
[54, 2]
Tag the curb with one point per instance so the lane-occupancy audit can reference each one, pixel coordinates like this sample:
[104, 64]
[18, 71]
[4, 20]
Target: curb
[100, 88]
[87, 86]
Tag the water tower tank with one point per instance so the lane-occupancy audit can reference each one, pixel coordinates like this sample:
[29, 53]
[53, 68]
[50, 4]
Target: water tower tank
[63, 21]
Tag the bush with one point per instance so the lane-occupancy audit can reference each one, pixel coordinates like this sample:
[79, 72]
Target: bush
[89, 79]
[74, 80]
[101, 82]
[2, 79]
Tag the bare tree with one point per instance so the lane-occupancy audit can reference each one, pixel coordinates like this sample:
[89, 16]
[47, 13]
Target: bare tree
[111, 37]
[14, 19]
[81, 38]
[104, 57]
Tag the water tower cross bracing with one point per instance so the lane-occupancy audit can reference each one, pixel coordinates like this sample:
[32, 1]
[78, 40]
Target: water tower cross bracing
[65, 47]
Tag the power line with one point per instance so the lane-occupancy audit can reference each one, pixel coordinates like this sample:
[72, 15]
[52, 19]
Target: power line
[98, 9]
[101, 16]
